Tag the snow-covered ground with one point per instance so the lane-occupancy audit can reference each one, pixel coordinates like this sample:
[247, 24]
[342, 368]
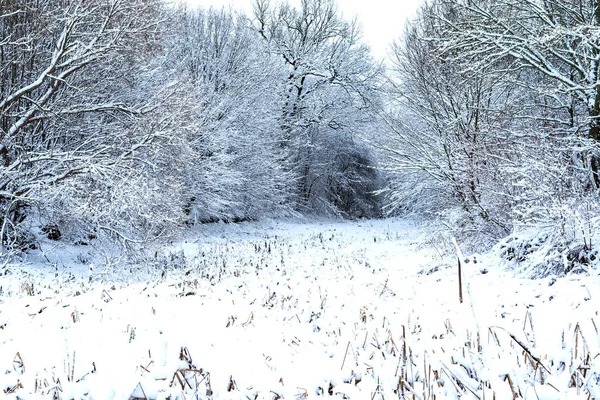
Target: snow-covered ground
[355, 310]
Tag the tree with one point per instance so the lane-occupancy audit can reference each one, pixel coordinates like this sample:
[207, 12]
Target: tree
[496, 108]
[449, 145]
[236, 173]
[328, 100]
[75, 115]
[559, 40]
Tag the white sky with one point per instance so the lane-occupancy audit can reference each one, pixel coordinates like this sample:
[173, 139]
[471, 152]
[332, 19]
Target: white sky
[382, 20]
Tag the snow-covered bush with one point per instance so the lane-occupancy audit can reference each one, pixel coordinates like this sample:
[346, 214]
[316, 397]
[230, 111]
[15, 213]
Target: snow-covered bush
[564, 241]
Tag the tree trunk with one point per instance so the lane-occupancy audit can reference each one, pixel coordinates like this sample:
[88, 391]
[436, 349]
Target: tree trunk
[594, 113]
[594, 134]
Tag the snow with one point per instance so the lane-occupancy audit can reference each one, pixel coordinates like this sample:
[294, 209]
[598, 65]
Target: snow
[364, 309]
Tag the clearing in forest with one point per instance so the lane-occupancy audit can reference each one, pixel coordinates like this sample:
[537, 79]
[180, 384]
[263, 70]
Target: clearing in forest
[355, 310]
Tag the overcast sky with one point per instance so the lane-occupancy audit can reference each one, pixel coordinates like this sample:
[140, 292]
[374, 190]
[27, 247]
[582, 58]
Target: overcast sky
[382, 20]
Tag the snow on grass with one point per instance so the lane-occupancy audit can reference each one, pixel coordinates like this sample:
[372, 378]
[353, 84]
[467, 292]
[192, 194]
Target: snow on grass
[281, 310]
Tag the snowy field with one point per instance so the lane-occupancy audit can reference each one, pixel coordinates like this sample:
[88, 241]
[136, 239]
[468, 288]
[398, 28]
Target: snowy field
[354, 310]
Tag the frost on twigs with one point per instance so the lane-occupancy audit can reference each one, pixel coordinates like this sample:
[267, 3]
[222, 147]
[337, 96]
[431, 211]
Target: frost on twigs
[192, 380]
[541, 254]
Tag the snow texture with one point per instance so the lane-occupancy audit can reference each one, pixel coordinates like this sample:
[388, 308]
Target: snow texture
[274, 310]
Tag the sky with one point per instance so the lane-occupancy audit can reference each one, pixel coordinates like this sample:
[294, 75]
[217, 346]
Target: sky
[382, 20]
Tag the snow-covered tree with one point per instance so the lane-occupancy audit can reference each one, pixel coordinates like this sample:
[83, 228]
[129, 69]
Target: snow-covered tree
[558, 40]
[450, 142]
[237, 173]
[327, 102]
[496, 111]
[81, 107]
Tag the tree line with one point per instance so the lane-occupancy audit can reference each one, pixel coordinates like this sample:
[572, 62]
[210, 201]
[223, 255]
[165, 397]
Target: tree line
[127, 120]
[498, 114]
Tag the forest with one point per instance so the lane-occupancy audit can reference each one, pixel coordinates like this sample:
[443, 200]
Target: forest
[209, 204]
[127, 122]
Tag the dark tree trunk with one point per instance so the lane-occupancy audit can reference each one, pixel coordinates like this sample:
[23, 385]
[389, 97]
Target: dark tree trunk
[594, 133]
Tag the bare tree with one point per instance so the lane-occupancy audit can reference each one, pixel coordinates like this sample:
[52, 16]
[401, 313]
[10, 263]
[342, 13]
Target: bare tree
[71, 108]
[237, 173]
[496, 109]
[556, 39]
[450, 128]
[328, 97]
